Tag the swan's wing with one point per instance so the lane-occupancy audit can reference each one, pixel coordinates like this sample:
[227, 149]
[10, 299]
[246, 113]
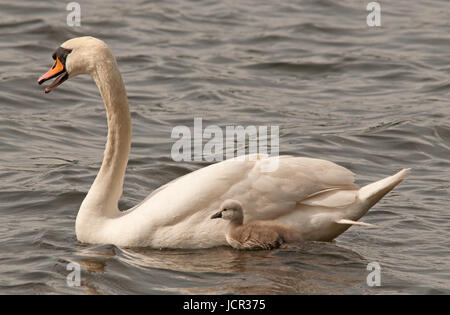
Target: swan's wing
[265, 195]
[269, 195]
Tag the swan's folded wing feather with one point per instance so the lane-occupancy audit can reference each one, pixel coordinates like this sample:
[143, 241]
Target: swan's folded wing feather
[332, 198]
[264, 195]
[269, 195]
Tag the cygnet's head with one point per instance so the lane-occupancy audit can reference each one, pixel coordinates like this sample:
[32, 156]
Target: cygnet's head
[76, 56]
[230, 210]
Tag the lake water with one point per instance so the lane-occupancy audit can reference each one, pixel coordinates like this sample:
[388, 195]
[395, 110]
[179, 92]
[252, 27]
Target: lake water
[373, 99]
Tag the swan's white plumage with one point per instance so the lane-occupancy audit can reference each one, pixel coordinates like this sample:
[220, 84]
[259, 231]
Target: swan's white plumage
[311, 195]
[182, 219]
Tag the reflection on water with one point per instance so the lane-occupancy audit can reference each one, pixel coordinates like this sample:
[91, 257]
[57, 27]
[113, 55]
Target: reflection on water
[374, 100]
[302, 268]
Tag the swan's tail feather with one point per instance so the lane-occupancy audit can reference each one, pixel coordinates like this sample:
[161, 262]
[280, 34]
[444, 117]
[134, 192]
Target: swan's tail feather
[375, 191]
[351, 222]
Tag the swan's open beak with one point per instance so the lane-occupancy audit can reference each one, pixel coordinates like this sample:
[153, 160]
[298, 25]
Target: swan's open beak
[217, 215]
[57, 70]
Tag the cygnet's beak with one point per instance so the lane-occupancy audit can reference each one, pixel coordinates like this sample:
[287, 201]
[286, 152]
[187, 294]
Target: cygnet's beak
[217, 215]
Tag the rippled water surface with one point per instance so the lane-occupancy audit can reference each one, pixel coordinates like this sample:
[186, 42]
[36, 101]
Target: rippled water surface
[374, 100]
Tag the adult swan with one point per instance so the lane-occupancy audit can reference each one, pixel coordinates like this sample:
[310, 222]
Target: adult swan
[316, 197]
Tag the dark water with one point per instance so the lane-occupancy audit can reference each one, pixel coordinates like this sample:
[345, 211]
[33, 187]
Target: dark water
[372, 99]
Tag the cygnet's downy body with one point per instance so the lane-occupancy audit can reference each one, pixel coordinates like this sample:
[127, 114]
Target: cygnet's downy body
[261, 234]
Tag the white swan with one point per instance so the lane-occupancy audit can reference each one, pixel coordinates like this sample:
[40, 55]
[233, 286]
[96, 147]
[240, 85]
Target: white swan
[317, 197]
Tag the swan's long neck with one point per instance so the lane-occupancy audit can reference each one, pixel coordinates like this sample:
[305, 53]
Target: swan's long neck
[104, 194]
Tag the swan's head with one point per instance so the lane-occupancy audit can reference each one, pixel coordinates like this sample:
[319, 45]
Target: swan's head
[229, 210]
[76, 56]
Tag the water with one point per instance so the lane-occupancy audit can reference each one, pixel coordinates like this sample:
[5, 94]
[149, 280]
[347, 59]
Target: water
[374, 100]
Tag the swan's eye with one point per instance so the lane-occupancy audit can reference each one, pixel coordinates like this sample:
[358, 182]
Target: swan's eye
[61, 54]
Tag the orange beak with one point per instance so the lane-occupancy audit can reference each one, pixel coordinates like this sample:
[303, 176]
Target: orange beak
[55, 70]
